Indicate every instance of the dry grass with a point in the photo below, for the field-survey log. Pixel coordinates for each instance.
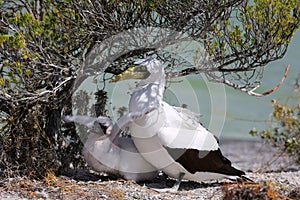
(249, 191)
(62, 187)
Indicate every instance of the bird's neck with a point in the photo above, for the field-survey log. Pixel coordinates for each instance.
(158, 79)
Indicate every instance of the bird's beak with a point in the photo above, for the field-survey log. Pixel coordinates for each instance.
(133, 72)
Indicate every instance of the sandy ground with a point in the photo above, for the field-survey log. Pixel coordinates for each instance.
(257, 156)
(275, 175)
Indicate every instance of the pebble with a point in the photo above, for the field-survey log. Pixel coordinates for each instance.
(253, 157)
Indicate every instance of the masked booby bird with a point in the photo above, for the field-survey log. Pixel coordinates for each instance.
(119, 158)
(165, 138)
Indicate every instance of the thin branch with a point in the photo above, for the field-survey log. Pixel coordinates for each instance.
(252, 93)
(34, 96)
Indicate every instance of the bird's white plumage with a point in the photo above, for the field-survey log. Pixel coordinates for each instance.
(179, 132)
(166, 126)
(157, 129)
(187, 115)
(120, 159)
(123, 160)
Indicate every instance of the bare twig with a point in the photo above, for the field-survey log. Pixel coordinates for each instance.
(252, 93)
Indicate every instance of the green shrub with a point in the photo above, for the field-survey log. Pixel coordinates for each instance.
(284, 132)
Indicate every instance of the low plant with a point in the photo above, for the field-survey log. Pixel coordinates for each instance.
(284, 132)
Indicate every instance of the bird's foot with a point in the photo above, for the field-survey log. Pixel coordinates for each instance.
(175, 187)
(164, 190)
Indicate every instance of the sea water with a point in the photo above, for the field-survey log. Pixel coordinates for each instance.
(246, 112)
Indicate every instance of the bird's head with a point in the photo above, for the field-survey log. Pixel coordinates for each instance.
(142, 69)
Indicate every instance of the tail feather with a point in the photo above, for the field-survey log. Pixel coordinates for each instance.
(204, 161)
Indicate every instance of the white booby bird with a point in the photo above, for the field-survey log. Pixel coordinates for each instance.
(170, 139)
(120, 158)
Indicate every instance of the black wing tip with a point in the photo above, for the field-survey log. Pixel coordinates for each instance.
(246, 179)
(241, 179)
(232, 171)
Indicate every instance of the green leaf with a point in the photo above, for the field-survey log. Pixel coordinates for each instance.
(27, 72)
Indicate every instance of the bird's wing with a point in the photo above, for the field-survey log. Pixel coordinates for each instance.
(188, 116)
(182, 138)
(180, 117)
(90, 122)
(125, 120)
(81, 119)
